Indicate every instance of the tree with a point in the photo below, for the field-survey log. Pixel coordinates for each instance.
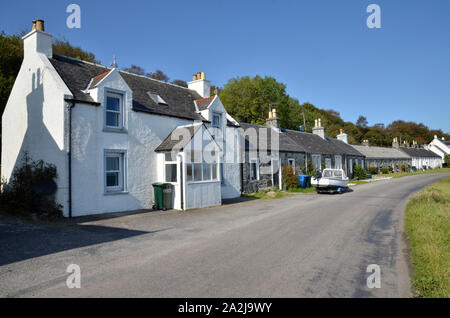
(159, 75)
(447, 160)
(135, 70)
(250, 99)
(362, 122)
(63, 47)
(180, 83)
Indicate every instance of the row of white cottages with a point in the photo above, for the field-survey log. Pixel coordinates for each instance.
(112, 134)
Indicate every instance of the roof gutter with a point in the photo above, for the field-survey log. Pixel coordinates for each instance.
(77, 101)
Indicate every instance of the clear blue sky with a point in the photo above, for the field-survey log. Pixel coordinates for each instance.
(322, 50)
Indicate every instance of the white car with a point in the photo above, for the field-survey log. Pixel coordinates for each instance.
(330, 180)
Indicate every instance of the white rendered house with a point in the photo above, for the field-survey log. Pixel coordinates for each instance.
(108, 132)
(441, 147)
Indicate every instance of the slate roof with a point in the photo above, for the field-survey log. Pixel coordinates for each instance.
(446, 142)
(419, 153)
(313, 144)
(264, 134)
(78, 75)
(348, 149)
(204, 103)
(381, 152)
(168, 144)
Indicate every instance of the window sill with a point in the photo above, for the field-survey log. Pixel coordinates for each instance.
(115, 130)
(109, 193)
(203, 182)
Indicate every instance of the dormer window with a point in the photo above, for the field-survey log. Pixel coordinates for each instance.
(114, 111)
(157, 98)
(216, 120)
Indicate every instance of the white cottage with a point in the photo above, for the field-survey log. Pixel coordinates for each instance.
(108, 132)
(441, 147)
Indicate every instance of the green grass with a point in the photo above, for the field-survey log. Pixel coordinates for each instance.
(303, 190)
(357, 182)
(404, 174)
(263, 195)
(427, 222)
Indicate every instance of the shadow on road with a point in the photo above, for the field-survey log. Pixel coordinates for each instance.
(19, 242)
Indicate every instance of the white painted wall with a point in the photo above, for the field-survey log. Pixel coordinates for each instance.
(228, 139)
(144, 167)
(36, 114)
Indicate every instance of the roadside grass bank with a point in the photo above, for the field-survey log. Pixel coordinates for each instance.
(404, 174)
(427, 222)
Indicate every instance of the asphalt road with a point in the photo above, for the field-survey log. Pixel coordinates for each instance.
(301, 246)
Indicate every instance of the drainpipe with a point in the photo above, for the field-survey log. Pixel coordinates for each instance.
(182, 188)
(71, 104)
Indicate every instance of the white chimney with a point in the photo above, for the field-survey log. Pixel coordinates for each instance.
(37, 41)
(200, 85)
(342, 136)
(318, 129)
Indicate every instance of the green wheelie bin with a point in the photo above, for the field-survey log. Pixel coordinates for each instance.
(158, 196)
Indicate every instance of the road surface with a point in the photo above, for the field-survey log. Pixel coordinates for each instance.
(300, 246)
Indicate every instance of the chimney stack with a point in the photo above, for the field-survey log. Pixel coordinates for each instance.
(365, 142)
(342, 136)
(37, 41)
(273, 120)
(395, 143)
(200, 85)
(318, 129)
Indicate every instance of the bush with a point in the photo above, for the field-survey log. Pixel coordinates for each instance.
(290, 180)
(23, 194)
(359, 173)
(384, 170)
(372, 170)
(447, 160)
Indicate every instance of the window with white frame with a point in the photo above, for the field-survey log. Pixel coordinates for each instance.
(170, 165)
(338, 162)
(316, 161)
(291, 163)
(114, 110)
(328, 163)
(254, 171)
(199, 169)
(114, 171)
(217, 120)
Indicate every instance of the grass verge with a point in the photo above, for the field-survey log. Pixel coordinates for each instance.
(267, 195)
(427, 222)
(404, 174)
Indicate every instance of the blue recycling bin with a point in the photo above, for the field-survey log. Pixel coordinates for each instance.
(304, 180)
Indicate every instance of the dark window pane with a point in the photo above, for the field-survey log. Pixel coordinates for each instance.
(197, 172)
(214, 171)
(112, 179)
(113, 104)
(112, 119)
(112, 163)
(171, 173)
(190, 174)
(206, 172)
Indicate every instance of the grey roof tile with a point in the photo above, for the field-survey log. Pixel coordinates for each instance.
(419, 152)
(78, 75)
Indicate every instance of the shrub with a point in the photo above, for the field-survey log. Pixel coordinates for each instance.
(372, 170)
(290, 180)
(384, 170)
(22, 194)
(359, 173)
(447, 160)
